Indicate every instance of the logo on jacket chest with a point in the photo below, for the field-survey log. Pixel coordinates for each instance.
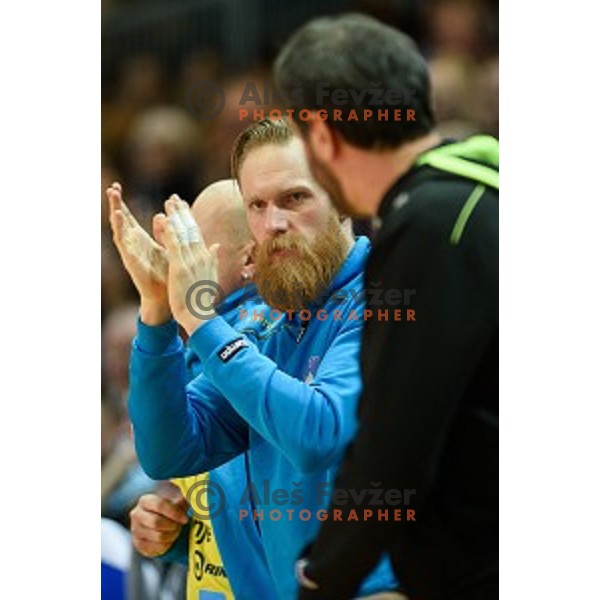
(311, 369)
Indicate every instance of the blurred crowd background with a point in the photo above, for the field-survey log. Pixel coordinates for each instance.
(155, 53)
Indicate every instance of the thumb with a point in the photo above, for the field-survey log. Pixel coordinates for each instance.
(182, 505)
(181, 502)
(158, 227)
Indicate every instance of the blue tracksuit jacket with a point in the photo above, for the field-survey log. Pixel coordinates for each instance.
(290, 402)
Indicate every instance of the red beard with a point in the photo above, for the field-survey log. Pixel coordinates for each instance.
(291, 273)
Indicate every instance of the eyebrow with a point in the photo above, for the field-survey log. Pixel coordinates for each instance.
(283, 194)
(294, 189)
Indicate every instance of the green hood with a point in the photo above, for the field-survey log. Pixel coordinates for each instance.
(457, 158)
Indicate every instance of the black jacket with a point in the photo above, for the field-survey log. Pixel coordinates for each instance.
(429, 410)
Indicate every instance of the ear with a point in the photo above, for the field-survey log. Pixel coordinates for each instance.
(347, 225)
(322, 139)
(249, 268)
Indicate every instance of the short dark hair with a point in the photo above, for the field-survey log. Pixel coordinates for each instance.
(357, 52)
(259, 133)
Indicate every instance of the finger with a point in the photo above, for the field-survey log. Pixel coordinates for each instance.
(188, 229)
(117, 224)
(114, 199)
(181, 502)
(195, 250)
(194, 244)
(172, 210)
(117, 203)
(144, 519)
(150, 549)
(194, 234)
(169, 238)
(160, 540)
(172, 510)
(131, 220)
(158, 226)
(167, 489)
(158, 517)
(115, 191)
(159, 260)
(177, 217)
(152, 533)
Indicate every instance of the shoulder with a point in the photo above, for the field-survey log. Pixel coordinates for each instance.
(442, 209)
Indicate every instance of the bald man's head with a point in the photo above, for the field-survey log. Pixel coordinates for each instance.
(220, 214)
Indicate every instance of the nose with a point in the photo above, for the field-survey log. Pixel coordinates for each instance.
(276, 220)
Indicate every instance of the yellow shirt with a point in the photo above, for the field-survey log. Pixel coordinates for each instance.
(206, 578)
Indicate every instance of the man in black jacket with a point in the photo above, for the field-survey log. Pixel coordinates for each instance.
(429, 411)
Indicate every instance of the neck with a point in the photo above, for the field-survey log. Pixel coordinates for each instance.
(370, 174)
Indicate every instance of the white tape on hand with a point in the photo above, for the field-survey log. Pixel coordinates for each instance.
(193, 233)
(179, 227)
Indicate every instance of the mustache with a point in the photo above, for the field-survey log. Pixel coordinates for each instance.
(282, 242)
(293, 283)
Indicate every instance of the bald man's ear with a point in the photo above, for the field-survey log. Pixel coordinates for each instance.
(249, 268)
(347, 224)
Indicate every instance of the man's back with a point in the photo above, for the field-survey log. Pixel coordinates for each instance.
(436, 240)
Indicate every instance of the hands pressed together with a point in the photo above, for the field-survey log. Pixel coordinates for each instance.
(164, 267)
